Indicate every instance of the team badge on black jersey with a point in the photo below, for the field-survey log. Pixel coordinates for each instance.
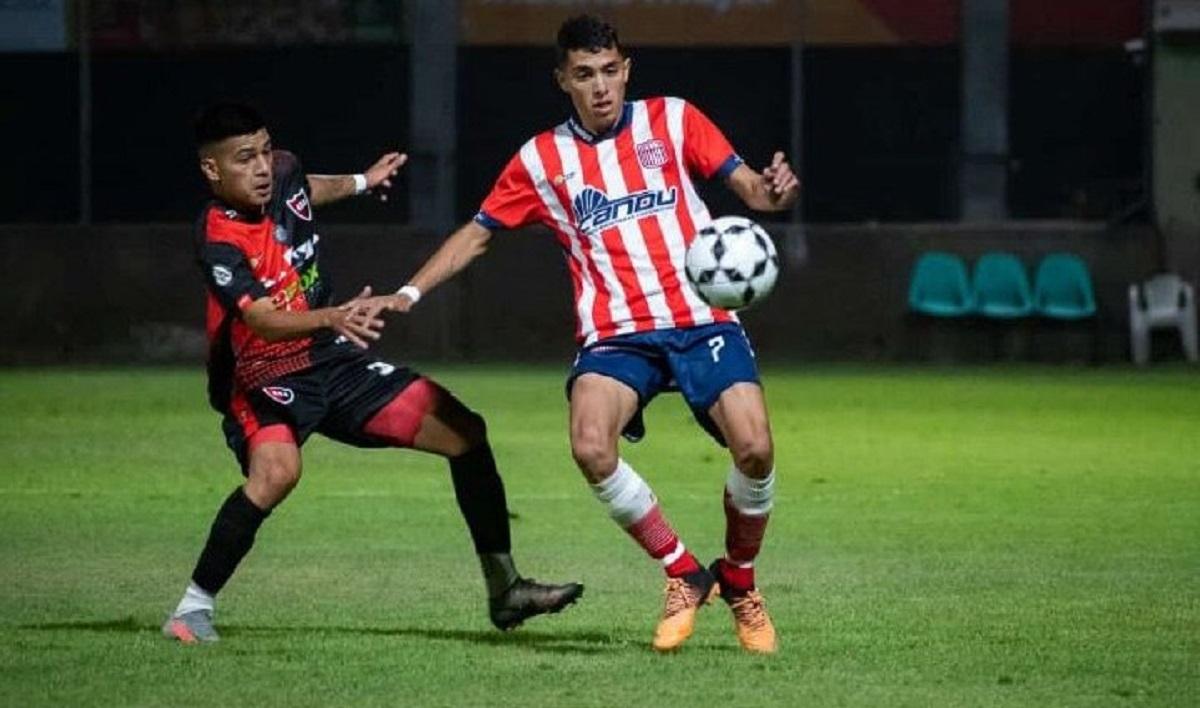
(298, 203)
(280, 394)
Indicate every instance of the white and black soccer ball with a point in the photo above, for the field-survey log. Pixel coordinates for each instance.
(732, 263)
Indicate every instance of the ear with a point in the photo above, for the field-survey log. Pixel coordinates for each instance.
(560, 78)
(208, 166)
(626, 66)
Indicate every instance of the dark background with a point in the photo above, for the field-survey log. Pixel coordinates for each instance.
(880, 124)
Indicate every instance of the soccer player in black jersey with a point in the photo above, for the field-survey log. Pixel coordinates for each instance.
(284, 363)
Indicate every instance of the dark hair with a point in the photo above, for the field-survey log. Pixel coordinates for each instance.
(223, 120)
(585, 32)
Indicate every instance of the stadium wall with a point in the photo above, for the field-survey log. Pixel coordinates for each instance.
(132, 294)
(1177, 152)
(880, 123)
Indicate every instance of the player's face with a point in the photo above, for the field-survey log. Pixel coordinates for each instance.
(595, 81)
(238, 169)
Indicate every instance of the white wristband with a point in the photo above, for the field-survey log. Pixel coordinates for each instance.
(412, 292)
(360, 183)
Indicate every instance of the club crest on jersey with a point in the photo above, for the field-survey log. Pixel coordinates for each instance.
(280, 394)
(222, 275)
(298, 203)
(652, 154)
(594, 210)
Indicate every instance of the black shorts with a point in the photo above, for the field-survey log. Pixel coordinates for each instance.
(335, 397)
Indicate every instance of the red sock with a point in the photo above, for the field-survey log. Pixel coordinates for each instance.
(743, 539)
(736, 577)
(655, 535)
(684, 565)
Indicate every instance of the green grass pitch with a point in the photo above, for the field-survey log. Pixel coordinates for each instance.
(941, 537)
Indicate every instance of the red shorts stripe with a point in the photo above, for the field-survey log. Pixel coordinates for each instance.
(274, 433)
(243, 414)
(398, 422)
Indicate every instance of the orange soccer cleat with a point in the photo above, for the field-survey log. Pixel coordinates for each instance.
(755, 632)
(685, 595)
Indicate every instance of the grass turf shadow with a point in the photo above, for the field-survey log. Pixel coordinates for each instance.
(579, 642)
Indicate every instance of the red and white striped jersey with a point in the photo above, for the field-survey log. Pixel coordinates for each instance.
(624, 209)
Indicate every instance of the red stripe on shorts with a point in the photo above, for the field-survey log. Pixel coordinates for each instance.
(398, 422)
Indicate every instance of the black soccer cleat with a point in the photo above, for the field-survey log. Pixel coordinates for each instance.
(527, 598)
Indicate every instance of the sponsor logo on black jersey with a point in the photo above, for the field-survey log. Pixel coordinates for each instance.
(298, 255)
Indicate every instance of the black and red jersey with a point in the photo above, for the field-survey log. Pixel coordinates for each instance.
(246, 257)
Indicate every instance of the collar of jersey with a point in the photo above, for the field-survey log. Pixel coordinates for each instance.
(237, 214)
(588, 136)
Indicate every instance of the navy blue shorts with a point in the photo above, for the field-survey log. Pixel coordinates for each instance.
(699, 362)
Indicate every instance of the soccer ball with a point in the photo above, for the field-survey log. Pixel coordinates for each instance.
(732, 263)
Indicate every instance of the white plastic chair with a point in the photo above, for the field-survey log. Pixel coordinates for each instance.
(1163, 301)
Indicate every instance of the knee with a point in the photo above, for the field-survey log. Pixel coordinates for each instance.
(474, 429)
(754, 456)
(468, 433)
(272, 480)
(594, 452)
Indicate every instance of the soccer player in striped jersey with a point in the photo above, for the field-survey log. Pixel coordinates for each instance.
(614, 183)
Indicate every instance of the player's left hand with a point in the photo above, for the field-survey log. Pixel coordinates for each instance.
(381, 173)
(355, 301)
(372, 307)
(783, 187)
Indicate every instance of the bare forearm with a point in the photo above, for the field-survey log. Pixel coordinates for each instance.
(756, 194)
(456, 253)
(774, 189)
(763, 202)
(326, 189)
(759, 202)
(278, 325)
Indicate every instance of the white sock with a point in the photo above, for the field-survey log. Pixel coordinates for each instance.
(626, 495)
(194, 598)
(752, 497)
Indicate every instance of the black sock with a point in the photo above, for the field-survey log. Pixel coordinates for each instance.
(480, 495)
(229, 541)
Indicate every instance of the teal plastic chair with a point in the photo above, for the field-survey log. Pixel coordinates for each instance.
(1001, 287)
(1062, 288)
(939, 286)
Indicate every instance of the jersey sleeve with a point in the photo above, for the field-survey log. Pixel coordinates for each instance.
(513, 201)
(289, 172)
(705, 148)
(228, 275)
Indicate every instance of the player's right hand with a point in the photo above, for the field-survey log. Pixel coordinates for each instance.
(372, 307)
(381, 173)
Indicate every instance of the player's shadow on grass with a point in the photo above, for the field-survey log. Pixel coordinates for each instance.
(561, 643)
(125, 624)
(556, 642)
